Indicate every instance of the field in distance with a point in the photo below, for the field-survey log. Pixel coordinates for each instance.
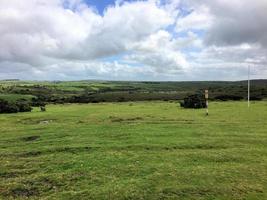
(123, 91)
(145, 150)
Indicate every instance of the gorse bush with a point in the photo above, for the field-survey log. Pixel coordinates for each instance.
(6, 107)
(10, 107)
(37, 102)
(194, 101)
(23, 106)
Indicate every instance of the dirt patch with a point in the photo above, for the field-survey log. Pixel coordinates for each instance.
(73, 150)
(32, 188)
(168, 148)
(201, 146)
(30, 138)
(70, 149)
(188, 192)
(46, 122)
(118, 119)
(208, 193)
(8, 174)
(46, 184)
(23, 192)
(17, 173)
(30, 154)
(34, 121)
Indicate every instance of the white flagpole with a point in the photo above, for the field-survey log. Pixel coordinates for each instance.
(248, 86)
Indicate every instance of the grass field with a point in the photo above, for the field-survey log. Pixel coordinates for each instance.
(146, 150)
(15, 97)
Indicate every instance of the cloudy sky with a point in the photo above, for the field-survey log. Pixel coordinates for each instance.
(133, 40)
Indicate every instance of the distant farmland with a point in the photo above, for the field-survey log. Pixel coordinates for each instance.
(121, 91)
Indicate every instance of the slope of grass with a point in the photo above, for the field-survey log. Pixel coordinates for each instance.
(146, 150)
(15, 97)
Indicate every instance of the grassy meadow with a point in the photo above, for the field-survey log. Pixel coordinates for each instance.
(138, 150)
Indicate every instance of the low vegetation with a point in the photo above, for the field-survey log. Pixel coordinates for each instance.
(18, 106)
(117, 91)
(135, 150)
(194, 101)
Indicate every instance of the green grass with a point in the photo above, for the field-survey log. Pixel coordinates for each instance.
(146, 150)
(15, 97)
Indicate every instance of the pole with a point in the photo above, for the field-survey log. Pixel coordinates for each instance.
(207, 102)
(248, 86)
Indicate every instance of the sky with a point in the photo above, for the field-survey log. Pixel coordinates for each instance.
(149, 40)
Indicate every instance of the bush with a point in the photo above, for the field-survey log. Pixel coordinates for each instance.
(23, 106)
(36, 102)
(194, 101)
(9, 107)
(228, 97)
(256, 98)
(6, 107)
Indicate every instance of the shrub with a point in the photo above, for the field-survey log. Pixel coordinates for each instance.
(6, 107)
(9, 107)
(228, 97)
(194, 101)
(23, 106)
(256, 98)
(36, 102)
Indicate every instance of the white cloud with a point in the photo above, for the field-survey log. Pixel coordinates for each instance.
(43, 34)
(35, 30)
(154, 39)
(233, 36)
(159, 51)
(198, 19)
(235, 22)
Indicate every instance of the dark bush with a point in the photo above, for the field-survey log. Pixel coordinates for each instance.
(37, 102)
(228, 97)
(256, 98)
(121, 99)
(194, 101)
(23, 106)
(9, 107)
(6, 107)
(43, 109)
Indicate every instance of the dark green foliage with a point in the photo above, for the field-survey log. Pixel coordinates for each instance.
(23, 106)
(43, 109)
(228, 97)
(256, 98)
(10, 107)
(194, 101)
(37, 102)
(122, 91)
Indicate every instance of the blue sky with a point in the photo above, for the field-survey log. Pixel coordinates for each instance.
(176, 40)
(100, 4)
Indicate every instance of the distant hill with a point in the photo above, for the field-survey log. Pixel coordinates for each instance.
(105, 91)
(10, 80)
